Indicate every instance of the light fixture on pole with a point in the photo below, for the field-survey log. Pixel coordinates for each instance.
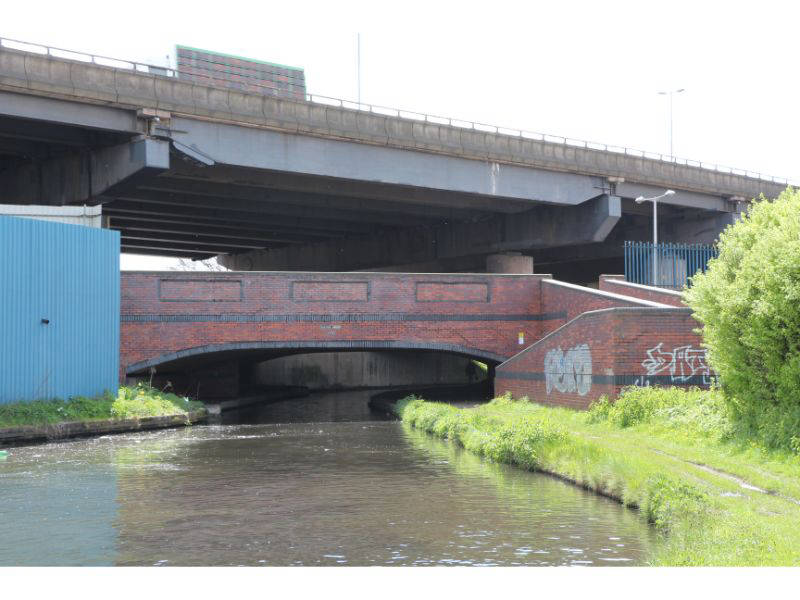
(655, 200)
(670, 94)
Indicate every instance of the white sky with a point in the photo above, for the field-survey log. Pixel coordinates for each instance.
(588, 70)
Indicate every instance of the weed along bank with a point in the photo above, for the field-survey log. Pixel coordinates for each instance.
(669, 453)
(246, 324)
(59, 373)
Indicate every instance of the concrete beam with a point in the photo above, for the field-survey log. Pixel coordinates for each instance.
(700, 229)
(92, 84)
(64, 112)
(680, 198)
(82, 178)
(273, 191)
(538, 228)
(372, 192)
(322, 157)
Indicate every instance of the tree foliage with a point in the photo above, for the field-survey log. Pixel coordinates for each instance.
(749, 304)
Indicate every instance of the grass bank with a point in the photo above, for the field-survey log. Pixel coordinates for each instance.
(129, 403)
(716, 497)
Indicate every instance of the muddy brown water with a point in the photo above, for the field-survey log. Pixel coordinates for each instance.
(315, 481)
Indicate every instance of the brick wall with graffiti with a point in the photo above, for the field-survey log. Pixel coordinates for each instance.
(602, 351)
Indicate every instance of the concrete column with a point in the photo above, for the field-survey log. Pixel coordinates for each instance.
(509, 262)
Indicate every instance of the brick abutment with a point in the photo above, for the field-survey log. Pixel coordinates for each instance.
(554, 342)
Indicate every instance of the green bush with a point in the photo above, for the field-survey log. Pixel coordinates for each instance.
(130, 402)
(668, 502)
(749, 304)
(678, 407)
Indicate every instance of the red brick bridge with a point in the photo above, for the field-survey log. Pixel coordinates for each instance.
(553, 341)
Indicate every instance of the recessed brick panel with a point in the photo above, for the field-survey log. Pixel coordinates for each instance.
(164, 317)
(452, 292)
(365, 310)
(193, 290)
(326, 291)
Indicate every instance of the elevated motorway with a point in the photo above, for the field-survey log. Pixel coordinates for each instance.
(192, 170)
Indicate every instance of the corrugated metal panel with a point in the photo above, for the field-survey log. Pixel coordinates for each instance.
(68, 275)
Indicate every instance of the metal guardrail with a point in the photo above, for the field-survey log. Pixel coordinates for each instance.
(162, 71)
(675, 264)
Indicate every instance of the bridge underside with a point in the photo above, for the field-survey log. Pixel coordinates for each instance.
(264, 199)
(233, 370)
(199, 357)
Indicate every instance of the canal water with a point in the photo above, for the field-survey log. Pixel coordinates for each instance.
(314, 481)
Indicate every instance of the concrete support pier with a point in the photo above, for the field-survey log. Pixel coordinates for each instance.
(514, 263)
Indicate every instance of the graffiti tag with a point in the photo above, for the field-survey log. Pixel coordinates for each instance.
(682, 364)
(569, 371)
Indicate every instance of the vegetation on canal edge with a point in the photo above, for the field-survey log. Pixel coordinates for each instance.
(749, 304)
(718, 498)
(130, 402)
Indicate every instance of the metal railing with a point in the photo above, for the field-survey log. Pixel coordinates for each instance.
(675, 264)
(162, 71)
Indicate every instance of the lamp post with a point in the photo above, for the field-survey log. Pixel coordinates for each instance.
(655, 200)
(670, 94)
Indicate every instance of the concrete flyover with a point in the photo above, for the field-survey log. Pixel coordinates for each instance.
(268, 183)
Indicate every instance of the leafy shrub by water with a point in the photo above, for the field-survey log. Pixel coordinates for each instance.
(693, 407)
(749, 304)
(669, 502)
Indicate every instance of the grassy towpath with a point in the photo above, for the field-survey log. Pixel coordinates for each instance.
(717, 498)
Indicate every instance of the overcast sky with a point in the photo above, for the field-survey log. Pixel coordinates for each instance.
(589, 70)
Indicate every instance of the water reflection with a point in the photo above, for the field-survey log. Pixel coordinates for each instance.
(278, 492)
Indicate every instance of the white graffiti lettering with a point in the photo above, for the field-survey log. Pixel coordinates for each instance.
(682, 364)
(569, 371)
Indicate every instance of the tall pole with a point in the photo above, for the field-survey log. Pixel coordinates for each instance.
(655, 200)
(671, 153)
(655, 242)
(358, 67)
(670, 94)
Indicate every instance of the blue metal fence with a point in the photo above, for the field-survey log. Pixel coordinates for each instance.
(675, 264)
(59, 310)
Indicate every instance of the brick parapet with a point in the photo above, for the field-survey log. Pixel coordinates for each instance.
(600, 352)
(166, 314)
(617, 284)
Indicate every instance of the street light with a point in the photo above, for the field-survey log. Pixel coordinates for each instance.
(655, 200)
(670, 94)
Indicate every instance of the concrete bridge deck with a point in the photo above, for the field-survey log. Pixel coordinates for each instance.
(195, 170)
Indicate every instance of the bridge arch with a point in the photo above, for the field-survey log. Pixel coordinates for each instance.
(283, 348)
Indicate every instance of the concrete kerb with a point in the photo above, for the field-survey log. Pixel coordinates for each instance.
(12, 69)
(105, 79)
(175, 95)
(312, 118)
(58, 431)
(372, 126)
(40, 74)
(133, 89)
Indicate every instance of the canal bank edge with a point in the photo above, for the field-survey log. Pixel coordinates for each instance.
(696, 495)
(59, 431)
